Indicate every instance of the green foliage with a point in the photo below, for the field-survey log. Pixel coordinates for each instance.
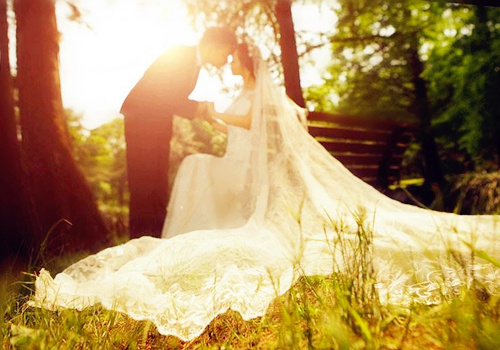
(101, 155)
(369, 69)
(460, 49)
(464, 75)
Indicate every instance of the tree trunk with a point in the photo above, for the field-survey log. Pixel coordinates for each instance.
(63, 202)
(14, 217)
(490, 109)
(289, 56)
(432, 171)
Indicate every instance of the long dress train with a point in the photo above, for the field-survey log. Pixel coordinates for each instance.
(293, 210)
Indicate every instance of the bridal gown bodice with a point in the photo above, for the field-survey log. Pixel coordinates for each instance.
(209, 191)
(238, 138)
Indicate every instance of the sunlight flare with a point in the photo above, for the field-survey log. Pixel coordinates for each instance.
(111, 54)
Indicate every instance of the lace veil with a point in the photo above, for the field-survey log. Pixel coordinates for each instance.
(306, 212)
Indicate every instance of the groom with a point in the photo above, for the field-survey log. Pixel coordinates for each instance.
(149, 108)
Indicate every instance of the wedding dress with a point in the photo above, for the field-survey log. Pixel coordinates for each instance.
(209, 191)
(242, 228)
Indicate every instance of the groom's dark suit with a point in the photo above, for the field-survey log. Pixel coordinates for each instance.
(148, 109)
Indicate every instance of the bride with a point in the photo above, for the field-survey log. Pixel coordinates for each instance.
(242, 228)
(209, 191)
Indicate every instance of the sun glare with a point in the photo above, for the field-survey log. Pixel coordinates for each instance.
(100, 64)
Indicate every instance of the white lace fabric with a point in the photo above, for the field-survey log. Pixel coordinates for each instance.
(242, 228)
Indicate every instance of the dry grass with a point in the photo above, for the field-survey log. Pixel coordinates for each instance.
(477, 193)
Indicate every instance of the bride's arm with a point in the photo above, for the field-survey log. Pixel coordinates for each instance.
(218, 125)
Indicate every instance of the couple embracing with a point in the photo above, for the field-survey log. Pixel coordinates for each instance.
(149, 108)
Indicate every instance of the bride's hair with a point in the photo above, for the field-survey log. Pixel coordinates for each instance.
(245, 57)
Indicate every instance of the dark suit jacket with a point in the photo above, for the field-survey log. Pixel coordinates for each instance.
(165, 86)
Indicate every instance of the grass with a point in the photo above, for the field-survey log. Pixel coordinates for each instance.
(341, 311)
(310, 316)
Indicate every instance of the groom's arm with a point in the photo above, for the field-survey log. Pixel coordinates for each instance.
(174, 77)
(166, 85)
(188, 109)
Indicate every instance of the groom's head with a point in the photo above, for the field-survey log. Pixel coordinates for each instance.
(216, 45)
